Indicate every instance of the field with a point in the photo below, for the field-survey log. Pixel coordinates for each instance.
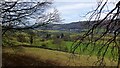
(49, 47)
(42, 57)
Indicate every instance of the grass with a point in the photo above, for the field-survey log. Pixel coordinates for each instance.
(87, 50)
(68, 44)
(54, 57)
(61, 43)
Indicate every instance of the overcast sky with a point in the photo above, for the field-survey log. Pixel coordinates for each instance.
(74, 10)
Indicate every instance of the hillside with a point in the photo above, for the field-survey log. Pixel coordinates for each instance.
(42, 57)
(74, 26)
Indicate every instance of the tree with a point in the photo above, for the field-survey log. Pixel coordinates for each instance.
(109, 26)
(20, 15)
(31, 36)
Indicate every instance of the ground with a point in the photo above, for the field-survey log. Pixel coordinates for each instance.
(26, 56)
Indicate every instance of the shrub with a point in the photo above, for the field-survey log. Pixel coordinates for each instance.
(22, 37)
(67, 38)
(43, 45)
(60, 44)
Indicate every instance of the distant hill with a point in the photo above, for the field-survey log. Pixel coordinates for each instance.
(74, 26)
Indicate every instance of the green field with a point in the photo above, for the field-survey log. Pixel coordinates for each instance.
(57, 41)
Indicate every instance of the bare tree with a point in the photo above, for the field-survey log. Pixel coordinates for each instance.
(103, 35)
(20, 15)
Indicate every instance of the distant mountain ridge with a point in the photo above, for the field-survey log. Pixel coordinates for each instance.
(74, 26)
(78, 26)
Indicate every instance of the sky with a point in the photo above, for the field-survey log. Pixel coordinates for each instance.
(75, 10)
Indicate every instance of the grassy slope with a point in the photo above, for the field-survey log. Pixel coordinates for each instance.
(48, 56)
(12, 40)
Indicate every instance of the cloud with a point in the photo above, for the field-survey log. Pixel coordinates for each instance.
(75, 0)
(87, 1)
(73, 6)
(70, 10)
